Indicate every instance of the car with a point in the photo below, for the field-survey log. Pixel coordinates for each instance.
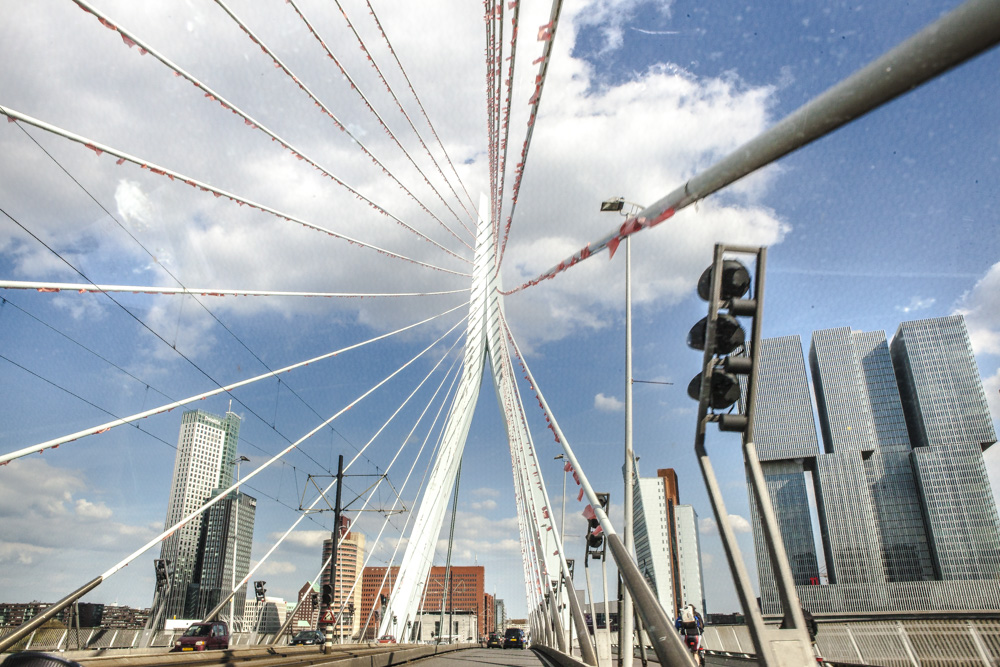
(307, 637)
(514, 638)
(494, 641)
(386, 639)
(203, 637)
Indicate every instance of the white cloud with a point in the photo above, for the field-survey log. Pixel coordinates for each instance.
(92, 511)
(981, 308)
(276, 567)
(304, 538)
(488, 504)
(708, 526)
(608, 403)
(916, 303)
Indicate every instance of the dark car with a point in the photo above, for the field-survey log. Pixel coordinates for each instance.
(514, 638)
(494, 641)
(203, 637)
(307, 637)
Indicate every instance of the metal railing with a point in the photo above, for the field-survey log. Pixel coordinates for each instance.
(62, 639)
(903, 643)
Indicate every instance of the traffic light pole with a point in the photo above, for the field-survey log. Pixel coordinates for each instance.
(326, 609)
(777, 647)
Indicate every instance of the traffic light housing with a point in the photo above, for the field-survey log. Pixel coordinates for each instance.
(160, 567)
(595, 534)
(327, 595)
(259, 590)
(728, 371)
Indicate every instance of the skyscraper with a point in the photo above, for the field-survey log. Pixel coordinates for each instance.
(347, 587)
(785, 435)
(224, 553)
(903, 506)
(949, 425)
(667, 548)
(206, 449)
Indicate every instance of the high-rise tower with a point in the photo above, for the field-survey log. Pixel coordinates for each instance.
(206, 449)
(903, 506)
(950, 427)
(667, 549)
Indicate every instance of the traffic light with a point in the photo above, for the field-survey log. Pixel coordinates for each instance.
(259, 590)
(728, 354)
(595, 534)
(160, 567)
(327, 595)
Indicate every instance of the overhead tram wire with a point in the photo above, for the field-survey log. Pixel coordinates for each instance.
(326, 110)
(423, 111)
(166, 270)
(547, 34)
(130, 39)
(29, 626)
(368, 104)
(123, 157)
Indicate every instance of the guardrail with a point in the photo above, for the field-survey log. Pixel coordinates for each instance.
(63, 639)
(903, 643)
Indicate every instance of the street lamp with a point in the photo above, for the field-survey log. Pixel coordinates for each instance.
(236, 538)
(625, 613)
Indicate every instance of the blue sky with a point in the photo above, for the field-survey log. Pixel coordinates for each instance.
(891, 218)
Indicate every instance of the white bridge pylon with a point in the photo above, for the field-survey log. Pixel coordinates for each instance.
(484, 342)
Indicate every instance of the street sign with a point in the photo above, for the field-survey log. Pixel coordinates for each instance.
(326, 617)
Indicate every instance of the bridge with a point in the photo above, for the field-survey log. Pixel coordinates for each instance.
(467, 328)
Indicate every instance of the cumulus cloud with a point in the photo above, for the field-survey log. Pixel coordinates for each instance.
(708, 526)
(981, 308)
(608, 403)
(488, 504)
(43, 506)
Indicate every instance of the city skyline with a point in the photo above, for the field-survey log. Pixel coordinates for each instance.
(890, 218)
(899, 530)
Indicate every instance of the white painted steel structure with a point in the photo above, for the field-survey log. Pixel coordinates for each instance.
(485, 343)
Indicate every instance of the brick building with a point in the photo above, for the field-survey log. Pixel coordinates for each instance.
(466, 593)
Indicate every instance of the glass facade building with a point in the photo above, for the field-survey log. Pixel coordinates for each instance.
(950, 426)
(904, 510)
(206, 447)
(224, 555)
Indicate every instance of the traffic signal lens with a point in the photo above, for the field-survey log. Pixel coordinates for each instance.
(735, 281)
(729, 335)
(724, 392)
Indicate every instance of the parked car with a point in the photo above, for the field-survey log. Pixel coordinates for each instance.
(514, 638)
(307, 637)
(386, 639)
(203, 637)
(494, 641)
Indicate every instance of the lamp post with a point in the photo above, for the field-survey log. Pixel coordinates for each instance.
(236, 539)
(625, 625)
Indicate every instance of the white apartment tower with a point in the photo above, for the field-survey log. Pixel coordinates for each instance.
(666, 542)
(206, 451)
